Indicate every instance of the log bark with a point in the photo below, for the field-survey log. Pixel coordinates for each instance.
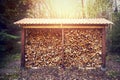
(81, 47)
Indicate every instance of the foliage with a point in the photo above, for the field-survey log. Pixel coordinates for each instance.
(11, 10)
(53, 9)
(115, 37)
(98, 8)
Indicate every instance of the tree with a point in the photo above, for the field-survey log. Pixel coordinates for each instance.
(11, 10)
(115, 34)
(69, 8)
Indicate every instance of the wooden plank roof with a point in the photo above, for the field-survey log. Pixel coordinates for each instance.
(37, 21)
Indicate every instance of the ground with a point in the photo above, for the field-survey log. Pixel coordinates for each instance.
(12, 71)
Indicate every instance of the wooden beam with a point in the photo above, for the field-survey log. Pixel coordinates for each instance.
(63, 42)
(104, 48)
(23, 47)
(90, 27)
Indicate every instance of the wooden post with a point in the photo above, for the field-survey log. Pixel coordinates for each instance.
(23, 48)
(103, 68)
(63, 65)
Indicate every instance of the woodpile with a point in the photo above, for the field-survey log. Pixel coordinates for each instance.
(43, 47)
(81, 47)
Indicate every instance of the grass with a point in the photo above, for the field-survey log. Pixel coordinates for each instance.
(9, 76)
(113, 74)
(9, 58)
(117, 59)
(5, 62)
(114, 57)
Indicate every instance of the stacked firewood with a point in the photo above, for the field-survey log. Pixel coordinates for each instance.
(43, 47)
(81, 47)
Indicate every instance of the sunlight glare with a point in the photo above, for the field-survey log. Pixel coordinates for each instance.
(64, 8)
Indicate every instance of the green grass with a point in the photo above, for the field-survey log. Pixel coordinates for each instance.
(9, 58)
(5, 61)
(113, 74)
(9, 76)
(114, 57)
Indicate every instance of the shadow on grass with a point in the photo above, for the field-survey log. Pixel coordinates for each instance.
(5, 59)
(9, 70)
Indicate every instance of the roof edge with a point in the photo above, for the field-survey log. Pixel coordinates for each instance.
(38, 21)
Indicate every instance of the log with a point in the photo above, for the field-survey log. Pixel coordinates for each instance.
(82, 47)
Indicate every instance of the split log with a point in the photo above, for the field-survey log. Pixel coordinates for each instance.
(43, 47)
(82, 47)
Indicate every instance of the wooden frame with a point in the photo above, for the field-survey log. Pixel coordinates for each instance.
(63, 26)
(99, 23)
(99, 27)
(104, 47)
(23, 47)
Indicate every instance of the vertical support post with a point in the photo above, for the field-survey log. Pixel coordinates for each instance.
(63, 66)
(103, 68)
(23, 48)
(63, 38)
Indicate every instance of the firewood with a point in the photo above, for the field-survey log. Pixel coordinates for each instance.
(81, 47)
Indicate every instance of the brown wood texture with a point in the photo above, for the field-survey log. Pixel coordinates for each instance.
(70, 47)
(23, 33)
(64, 26)
(43, 47)
(104, 47)
(83, 47)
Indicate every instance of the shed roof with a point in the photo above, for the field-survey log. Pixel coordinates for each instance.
(34, 21)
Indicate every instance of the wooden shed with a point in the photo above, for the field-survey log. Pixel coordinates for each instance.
(63, 42)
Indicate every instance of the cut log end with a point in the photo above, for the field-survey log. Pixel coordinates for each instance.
(81, 48)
